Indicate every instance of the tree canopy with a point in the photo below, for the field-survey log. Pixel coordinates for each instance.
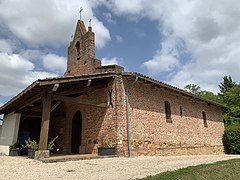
(192, 88)
(195, 89)
(226, 85)
(229, 95)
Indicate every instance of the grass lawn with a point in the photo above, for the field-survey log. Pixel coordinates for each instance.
(229, 169)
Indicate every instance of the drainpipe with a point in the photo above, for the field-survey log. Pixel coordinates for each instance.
(128, 120)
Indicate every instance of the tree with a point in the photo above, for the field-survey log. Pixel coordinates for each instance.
(192, 88)
(195, 89)
(226, 85)
(229, 96)
(231, 99)
(210, 96)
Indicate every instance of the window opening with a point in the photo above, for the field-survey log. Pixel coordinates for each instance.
(181, 113)
(78, 50)
(204, 119)
(168, 111)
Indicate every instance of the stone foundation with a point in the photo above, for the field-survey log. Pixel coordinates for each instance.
(175, 151)
(42, 154)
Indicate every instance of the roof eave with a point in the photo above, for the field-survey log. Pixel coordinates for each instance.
(167, 86)
(28, 88)
(50, 81)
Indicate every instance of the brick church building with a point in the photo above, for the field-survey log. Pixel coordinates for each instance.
(92, 103)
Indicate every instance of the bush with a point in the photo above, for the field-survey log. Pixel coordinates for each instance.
(107, 143)
(14, 146)
(232, 139)
(31, 144)
(51, 144)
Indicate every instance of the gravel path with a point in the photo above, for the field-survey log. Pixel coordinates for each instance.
(108, 168)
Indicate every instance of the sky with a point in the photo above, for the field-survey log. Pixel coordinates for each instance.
(176, 42)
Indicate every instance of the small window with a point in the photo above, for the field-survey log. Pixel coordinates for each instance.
(168, 111)
(204, 119)
(78, 50)
(181, 111)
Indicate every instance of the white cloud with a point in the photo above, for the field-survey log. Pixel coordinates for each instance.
(48, 23)
(119, 38)
(109, 18)
(124, 6)
(166, 59)
(5, 46)
(54, 62)
(211, 34)
(209, 30)
(17, 73)
(32, 54)
(107, 61)
(28, 32)
(161, 63)
(101, 33)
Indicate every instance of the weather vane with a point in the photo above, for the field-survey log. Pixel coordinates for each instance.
(80, 12)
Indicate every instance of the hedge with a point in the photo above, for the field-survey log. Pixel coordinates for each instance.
(232, 139)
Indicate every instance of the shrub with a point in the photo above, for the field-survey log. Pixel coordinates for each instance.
(31, 144)
(51, 144)
(232, 139)
(14, 146)
(107, 143)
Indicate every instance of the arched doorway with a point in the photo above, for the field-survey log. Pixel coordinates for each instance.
(76, 132)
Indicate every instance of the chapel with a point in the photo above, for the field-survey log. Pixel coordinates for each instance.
(93, 106)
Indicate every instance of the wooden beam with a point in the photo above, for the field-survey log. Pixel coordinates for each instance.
(75, 100)
(45, 122)
(31, 100)
(38, 96)
(83, 89)
(54, 88)
(74, 79)
(55, 105)
(32, 115)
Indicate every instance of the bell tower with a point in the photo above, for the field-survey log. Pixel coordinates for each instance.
(81, 52)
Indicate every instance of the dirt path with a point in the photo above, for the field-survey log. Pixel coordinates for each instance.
(108, 168)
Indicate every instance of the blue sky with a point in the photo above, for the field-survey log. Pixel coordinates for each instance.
(177, 42)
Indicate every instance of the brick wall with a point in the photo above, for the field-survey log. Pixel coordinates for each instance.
(58, 126)
(97, 122)
(86, 62)
(152, 135)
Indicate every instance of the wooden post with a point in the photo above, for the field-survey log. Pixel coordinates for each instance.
(45, 122)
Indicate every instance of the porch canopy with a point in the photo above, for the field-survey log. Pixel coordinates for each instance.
(43, 96)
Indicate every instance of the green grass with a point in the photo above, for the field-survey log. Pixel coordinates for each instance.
(229, 169)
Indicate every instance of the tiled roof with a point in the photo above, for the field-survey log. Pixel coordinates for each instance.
(41, 84)
(170, 87)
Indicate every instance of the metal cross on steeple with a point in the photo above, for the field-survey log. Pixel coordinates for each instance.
(90, 22)
(80, 13)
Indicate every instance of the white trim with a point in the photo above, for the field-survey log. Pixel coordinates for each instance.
(4, 149)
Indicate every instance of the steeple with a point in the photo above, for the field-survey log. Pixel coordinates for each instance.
(81, 52)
